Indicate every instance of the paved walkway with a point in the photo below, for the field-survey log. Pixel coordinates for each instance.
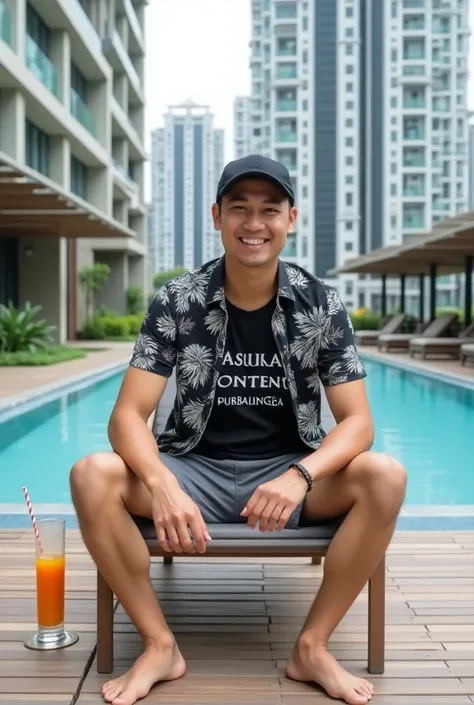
(18, 380)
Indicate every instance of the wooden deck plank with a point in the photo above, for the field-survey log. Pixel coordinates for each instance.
(248, 613)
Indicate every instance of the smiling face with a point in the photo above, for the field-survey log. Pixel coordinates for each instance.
(254, 218)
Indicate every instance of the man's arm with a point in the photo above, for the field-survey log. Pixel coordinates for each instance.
(352, 435)
(129, 433)
(342, 374)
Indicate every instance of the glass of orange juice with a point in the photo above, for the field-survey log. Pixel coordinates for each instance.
(50, 584)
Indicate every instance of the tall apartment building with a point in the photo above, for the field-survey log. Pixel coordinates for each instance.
(366, 103)
(71, 152)
(242, 127)
(187, 159)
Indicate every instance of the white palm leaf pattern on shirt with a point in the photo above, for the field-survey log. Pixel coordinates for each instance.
(168, 353)
(145, 352)
(193, 414)
(308, 419)
(279, 322)
(189, 288)
(162, 296)
(296, 277)
(313, 382)
(351, 361)
(196, 364)
(215, 321)
(185, 325)
(181, 388)
(317, 331)
(334, 375)
(166, 325)
(334, 302)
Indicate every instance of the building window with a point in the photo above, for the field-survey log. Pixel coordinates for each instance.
(78, 82)
(37, 148)
(349, 199)
(78, 178)
(38, 30)
(348, 246)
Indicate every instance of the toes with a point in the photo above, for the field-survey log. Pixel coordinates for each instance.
(111, 690)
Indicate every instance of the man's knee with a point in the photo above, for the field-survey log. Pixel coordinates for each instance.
(381, 476)
(96, 475)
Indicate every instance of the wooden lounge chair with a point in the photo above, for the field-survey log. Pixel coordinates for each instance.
(236, 541)
(440, 346)
(467, 353)
(370, 337)
(401, 341)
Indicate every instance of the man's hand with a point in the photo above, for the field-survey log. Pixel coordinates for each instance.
(178, 519)
(273, 502)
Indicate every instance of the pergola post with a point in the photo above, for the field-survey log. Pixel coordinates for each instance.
(433, 272)
(421, 312)
(384, 295)
(469, 262)
(403, 279)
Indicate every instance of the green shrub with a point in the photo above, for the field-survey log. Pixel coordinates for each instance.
(134, 323)
(363, 319)
(93, 328)
(21, 331)
(116, 326)
(134, 300)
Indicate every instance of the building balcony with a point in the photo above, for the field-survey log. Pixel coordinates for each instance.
(286, 72)
(42, 67)
(6, 24)
(289, 250)
(410, 104)
(413, 135)
(82, 113)
(285, 136)
(414, 162)
(413, 191)
(286, 12)
(283, 106)
(413, 4)
(412, 223)
(120, 61)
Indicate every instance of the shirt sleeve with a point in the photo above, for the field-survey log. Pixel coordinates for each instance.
(338, 359)
(155, 347)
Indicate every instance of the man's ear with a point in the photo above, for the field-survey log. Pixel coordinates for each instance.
(293, 216)
(216, 216)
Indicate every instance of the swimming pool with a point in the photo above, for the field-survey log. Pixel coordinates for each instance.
(425, 423)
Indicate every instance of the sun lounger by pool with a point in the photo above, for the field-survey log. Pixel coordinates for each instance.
(239, 541)
(401, 341)
(467, 353)
(370, 337)
(440, 346)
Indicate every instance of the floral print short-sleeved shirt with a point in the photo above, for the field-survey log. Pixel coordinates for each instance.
(185, 329)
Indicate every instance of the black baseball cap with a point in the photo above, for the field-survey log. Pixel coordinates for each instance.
(257, 167)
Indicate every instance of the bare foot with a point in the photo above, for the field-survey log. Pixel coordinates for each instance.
(315, 663)
(155, 664)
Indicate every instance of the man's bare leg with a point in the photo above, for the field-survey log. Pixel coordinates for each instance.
(371, 489)
(104, 491)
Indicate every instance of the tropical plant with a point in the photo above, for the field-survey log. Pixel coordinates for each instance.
(162, 277)
(134, 300)
(92, 279)
(21, 331)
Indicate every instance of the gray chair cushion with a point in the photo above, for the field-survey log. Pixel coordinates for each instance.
(240, 536)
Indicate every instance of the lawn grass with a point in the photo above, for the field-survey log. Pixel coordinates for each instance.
(48, 356)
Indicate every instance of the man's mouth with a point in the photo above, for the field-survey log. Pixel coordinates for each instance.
(253, 241)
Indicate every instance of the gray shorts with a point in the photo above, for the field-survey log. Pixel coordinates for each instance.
(222, 488)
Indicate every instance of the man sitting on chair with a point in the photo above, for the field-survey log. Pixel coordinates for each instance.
(251, 339)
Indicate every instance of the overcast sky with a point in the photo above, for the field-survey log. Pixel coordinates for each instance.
(199, 50)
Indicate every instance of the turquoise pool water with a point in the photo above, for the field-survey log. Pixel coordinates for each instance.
(427, 424)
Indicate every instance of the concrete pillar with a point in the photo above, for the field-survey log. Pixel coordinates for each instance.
(12, 124)
(99, 188)
(120, 90)
(60, 161)
(98, 102)
(18, 10)
(61, 58)
(121, 25)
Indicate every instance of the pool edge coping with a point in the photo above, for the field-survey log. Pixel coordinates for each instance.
(407, 364)
(26, 401)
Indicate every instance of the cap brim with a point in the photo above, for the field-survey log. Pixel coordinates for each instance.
(255, 174)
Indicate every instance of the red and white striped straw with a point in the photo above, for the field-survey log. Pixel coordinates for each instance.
(32, 517)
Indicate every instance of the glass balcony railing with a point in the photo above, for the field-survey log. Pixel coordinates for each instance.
(124, 174)
(289, 250)
(284, 71)
(283, 106)
(413, 222)
(6, 24)
(413, 4)
(415, 191)
(41, 66)
(286, 12)
(82, 113)
(413, 103)
(286, 136)
(414, 135)
(286, 51)
(413, 161)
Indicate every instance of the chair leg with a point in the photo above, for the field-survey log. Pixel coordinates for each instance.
(167, 560)
(316, 560)
(105, 626)
(376, 654)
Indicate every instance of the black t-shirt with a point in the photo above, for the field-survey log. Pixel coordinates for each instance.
(252, 416)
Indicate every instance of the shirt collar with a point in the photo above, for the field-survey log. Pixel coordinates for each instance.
(216, 283)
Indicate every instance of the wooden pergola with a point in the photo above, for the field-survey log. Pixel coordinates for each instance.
(447, 249)
(31, 204)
